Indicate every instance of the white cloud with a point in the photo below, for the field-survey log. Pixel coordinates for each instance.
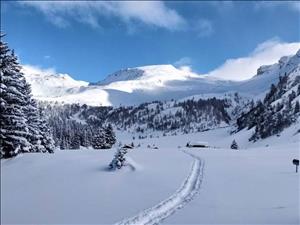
(293, 5)
(204, 28)
(30, 69)
(221, 6)
(184, 61)
(185, 64)
(266, 53)
(154, 13)
(189, 70)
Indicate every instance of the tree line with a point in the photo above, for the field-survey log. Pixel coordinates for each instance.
(74, 126)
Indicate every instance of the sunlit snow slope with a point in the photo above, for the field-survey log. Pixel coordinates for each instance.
(157, 82)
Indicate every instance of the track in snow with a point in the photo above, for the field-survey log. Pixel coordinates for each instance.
(183, 195)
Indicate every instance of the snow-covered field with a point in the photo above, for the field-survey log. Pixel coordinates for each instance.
(172, 184)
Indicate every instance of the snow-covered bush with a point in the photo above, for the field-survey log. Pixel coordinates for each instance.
(118, 160)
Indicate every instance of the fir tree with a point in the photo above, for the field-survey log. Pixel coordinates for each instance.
(110, 137)
(14, 129)
(99, 140)
(234, 145)
(23, 129)
(119, 159)
(33, 118)
(45, 132)
(75, 144)
(297, 107)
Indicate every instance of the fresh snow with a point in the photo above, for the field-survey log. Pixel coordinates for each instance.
(49, 84)
(182, 196)
(159, 73)
(256, 184)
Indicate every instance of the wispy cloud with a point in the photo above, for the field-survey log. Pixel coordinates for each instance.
(152, 13)
(30, 69)
(46, 57)
(221, 6)
(185, 64)
(293, 5)
(266, 53)
(204, 28)
(184, 61)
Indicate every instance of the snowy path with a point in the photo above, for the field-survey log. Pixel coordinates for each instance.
(183, 195)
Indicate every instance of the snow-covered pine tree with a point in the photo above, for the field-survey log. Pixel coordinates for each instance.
(63, 143)
(99, 139)
(110, 137)
(33, 120)
(75, 144)
(86, 139)
(297, 107)
(234, 145)
(14, 129)
(23, 129)
(119, 159)
(47, 140)
(35, 137)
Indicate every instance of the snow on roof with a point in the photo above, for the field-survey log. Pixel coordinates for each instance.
(198, 143)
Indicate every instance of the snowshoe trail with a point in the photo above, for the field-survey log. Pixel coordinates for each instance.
(182, 196)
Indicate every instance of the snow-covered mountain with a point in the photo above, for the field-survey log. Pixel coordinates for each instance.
(278, 109)
(157, 82)
(158, 74)
(46, 84)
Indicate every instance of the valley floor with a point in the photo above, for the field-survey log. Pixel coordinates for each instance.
(254, 185)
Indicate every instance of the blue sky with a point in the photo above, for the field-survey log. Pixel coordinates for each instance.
(90, 40)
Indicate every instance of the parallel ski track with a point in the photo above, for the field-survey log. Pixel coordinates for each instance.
(182, 196)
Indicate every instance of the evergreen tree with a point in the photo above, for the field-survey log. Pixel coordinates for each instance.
(75, 144)
(86, 139)
(14, 129)
(36, 124)
(110, 137)
(234, 145)
(119, 159)
(45, 132)
(33, 118)
(99, 140)
(297, 108)
(23, 129)
(63, 143)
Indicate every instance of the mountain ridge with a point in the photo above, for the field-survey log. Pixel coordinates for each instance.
(155, 82)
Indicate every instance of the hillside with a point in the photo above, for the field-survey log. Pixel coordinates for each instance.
(278, 110)
(173, 117)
